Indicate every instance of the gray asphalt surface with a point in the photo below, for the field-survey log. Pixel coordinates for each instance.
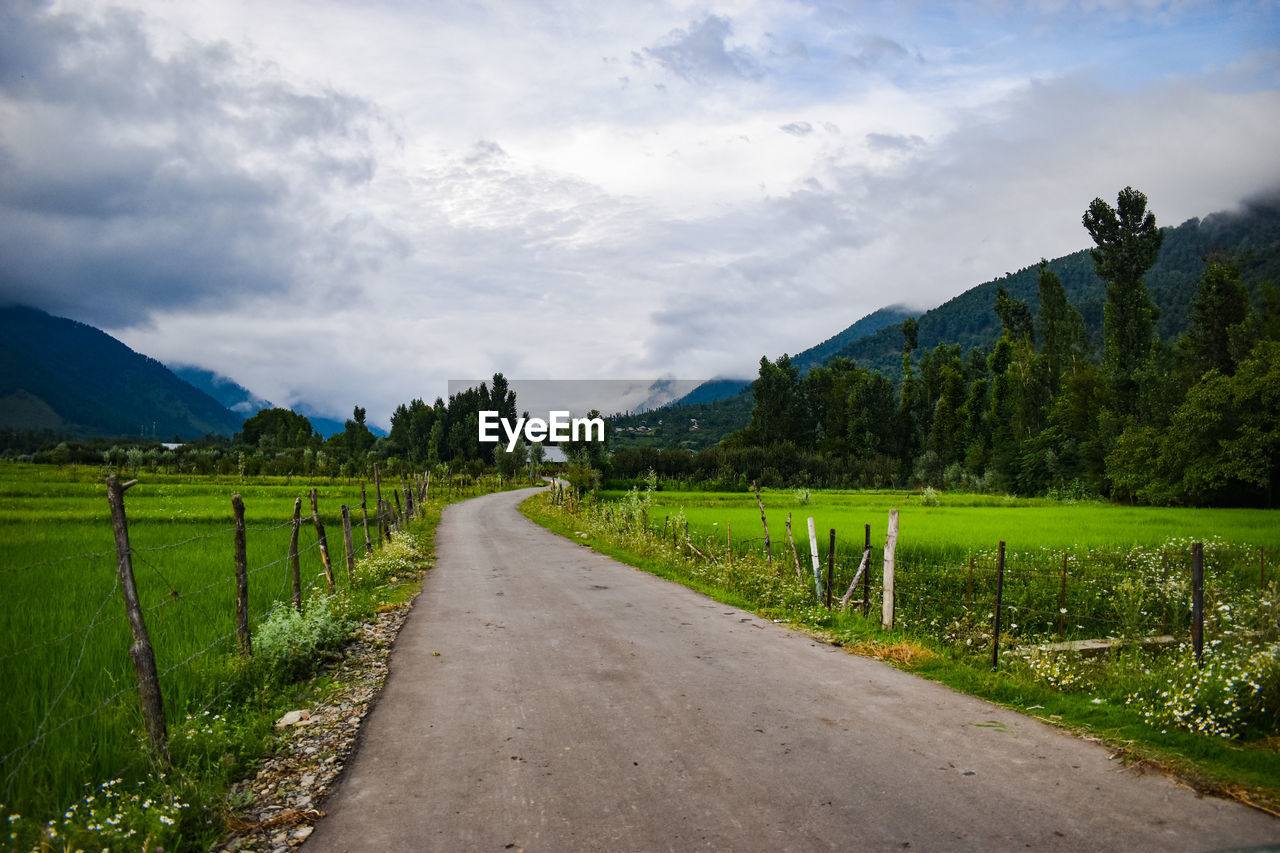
(543, 697)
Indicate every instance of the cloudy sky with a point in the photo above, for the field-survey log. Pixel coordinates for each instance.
(345, 202)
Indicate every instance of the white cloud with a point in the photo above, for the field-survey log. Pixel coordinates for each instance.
(341, 205)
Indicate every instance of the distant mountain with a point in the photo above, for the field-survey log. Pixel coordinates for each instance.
(1249, 238)
(226, 391)
(723, 389)
(241, 400)
(884, 318)
(66, 376)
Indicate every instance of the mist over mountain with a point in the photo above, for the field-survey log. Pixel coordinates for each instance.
(60, 375)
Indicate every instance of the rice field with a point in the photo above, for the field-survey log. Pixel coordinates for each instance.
(70, 703)
(966, 522)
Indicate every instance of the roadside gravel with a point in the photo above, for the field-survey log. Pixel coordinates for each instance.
(281, 801)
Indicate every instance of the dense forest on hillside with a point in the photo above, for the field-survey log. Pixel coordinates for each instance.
(69, 378)
(1056, 404)
(1249, 237)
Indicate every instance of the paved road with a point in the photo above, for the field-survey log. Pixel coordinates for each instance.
(547, 698)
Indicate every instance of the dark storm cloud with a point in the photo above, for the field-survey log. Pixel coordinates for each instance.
(699, 53)
(132, 181)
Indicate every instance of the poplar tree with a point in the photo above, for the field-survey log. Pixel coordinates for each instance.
(1128, 243)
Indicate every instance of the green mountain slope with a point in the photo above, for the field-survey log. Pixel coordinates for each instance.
(723, 389)
(1250, 238)
(66, 376)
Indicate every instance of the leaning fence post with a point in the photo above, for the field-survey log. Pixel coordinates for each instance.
(324, 544)
(995, 640)
(293, 555)
(346, 541)
(1197, 601)
(144, 658)
(243, 639)
(890, 551)
(817, 565)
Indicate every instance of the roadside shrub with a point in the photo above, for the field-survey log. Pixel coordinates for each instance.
(396, 559)
(288, 644)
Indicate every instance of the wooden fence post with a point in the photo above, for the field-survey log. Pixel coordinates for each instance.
(364, 512)
(1197, 601)
(817, 564)
(995, 640)
(293, 555)
(890, 550)
(768, 551)
(144, 658)
(346, 541)
(324, 544)
(377, 494)
(866, 577)
(794, 555)
(408, 499)
(243, 638)
(860, 574)
(968, 596)
(728, 542)
(1062, 601)
(831, 564)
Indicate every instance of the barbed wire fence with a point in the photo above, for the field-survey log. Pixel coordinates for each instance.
(982, 600)
(191, 622)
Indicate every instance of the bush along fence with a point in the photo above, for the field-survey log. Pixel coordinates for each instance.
(76, 711)
(1193, 628)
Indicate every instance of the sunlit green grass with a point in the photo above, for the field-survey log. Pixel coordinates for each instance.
(964, 521)
(69, 702)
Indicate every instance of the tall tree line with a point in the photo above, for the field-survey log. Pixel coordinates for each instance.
(1190, 421)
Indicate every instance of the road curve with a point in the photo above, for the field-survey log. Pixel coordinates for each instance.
(543, 697)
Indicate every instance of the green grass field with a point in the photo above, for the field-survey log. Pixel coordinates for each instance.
(70, 703)
(939, 592)
(966, 522)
